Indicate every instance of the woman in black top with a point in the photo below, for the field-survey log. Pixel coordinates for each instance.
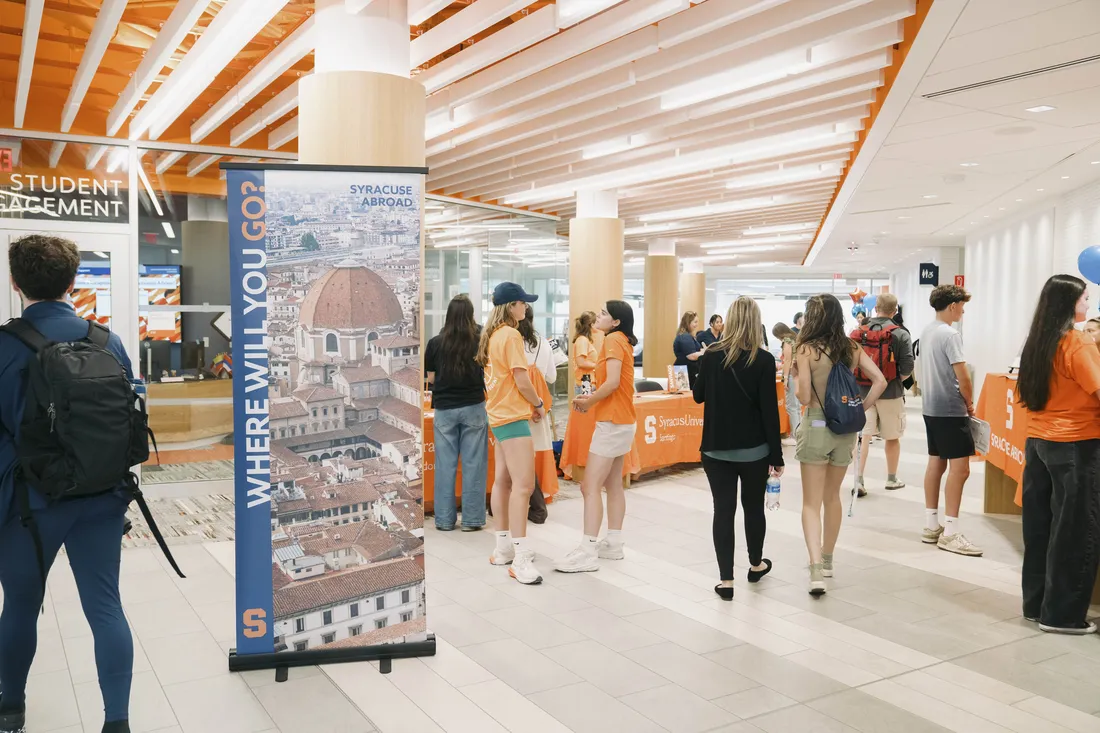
(461, 425)
(686, 347)
(741, 441)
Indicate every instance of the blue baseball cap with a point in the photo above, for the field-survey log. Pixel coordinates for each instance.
(506, 293)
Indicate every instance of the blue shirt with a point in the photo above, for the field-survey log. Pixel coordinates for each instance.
(57, 321)
(685, 344)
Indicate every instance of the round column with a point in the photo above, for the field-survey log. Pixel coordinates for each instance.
(360, 107)
(595, 257)
(693, 291)
(662, 308)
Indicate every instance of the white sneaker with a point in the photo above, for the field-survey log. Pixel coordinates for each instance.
(503, 557)
(609, 551)
(523, 569)
(958, 544)
(577, 561)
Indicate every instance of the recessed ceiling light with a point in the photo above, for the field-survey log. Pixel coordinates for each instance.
(1096, 162)
(986, 216)
(1000, 208)
(1065, 178)
(1040, 190)
(928, 196)
(905, 217)
(973, 222)
(968, 165)
(1040, 108)
(1019, 200)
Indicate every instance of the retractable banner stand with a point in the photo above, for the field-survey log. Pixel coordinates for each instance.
(326, 267)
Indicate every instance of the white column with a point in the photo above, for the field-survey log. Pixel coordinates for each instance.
(598, 204)
(374, 39)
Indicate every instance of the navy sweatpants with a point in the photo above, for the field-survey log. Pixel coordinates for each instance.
(91, 531)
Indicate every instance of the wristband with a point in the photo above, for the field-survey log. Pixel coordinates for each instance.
(539, 405)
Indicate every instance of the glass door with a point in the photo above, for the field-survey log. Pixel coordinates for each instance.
(102, 290)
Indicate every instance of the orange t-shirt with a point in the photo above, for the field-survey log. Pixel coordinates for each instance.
(598, 337)
(1072, 412)
(618, 407)
(503, 402)
(587, 349)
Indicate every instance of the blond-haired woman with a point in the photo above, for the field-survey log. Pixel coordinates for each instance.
(511, 400)
(585, 353)
(741, 442)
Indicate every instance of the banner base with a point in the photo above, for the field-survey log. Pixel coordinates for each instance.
(312, 657)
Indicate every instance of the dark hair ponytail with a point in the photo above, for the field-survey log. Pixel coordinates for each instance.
(1054, 317)
(624, 314)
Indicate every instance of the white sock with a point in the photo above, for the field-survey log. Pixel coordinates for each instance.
(950, 526)
(614, 537)
(504, 540)
(589, 543)
(932, 519)
(520, 544)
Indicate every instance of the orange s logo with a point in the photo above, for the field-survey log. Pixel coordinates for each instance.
(254, 625)
(844, 399)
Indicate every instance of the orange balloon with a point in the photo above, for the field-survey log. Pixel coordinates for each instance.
(857, 295)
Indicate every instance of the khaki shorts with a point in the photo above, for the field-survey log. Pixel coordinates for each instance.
(817, 445)
(886, 419)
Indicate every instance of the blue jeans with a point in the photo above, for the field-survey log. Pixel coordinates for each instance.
(462, 432)
(91, 530)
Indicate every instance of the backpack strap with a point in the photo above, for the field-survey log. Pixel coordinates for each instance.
(98, 335)
(22, 329)
(26, 518)
(139, 498)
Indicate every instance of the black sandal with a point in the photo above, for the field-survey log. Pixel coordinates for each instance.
(724, 592)
(756, 575)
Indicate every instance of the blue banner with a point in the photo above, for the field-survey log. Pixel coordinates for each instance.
(251, 435)
(325, 272)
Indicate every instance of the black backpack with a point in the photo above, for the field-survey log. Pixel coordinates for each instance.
(83, 426)
(843, 403)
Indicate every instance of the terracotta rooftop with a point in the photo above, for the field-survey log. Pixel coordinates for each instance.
(286, 408)
(410, 515)
(360, 374)
(332, 589)
(333, 496)
(396, 341)
(409, 377)
(316, 394)
(401, 410)
(397, 632)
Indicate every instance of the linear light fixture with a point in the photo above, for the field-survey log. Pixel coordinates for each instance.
(32, 22)
(785, 175)
(293, 49)
(168, 39)
(725, 207)
(1040, 108)
(735, 80)
(652, 229)
(235, 25)
(168, 230)
(781, 239)
(481, 227)
(149, 190)
(743, 250)
(779, 228)
(278, 106)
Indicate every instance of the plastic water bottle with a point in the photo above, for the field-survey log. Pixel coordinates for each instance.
(771, 495)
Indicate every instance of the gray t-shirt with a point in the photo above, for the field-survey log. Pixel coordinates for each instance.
(941, 348)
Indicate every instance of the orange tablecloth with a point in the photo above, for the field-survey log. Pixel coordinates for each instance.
(1008, 425)
(545, 469)
(670, 429)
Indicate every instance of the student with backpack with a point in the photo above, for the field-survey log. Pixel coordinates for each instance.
(826, 360)
(70, 430)
(891, 348)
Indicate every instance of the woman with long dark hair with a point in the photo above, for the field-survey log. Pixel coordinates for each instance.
(686, 348)
(825, 456)
(511, 402)
(461, 425)
(741, 443)
(585, 353)
(1059, 384)
(612, 439)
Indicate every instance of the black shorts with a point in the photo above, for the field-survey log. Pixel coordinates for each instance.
(949, 437)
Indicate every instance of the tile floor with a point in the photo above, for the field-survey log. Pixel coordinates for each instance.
(908, 640)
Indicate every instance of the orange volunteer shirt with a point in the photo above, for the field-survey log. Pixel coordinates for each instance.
(1072, 412)
(583, 346)
(503, 402)
(618, 407)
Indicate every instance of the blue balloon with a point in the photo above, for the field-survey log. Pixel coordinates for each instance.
(869, 302)
(858, 310)
(1089, 264)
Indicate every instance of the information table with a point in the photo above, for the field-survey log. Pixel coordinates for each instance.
(669, 431)
(1004, 470)
(545, 470)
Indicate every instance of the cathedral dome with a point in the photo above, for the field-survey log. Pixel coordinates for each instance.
(350, 297)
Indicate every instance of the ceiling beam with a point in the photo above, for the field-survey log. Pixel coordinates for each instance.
(32, 21)
(183, 18)
(421, 10)
(290, 51)
(466, 23)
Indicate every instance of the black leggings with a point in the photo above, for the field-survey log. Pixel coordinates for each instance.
(723, 477)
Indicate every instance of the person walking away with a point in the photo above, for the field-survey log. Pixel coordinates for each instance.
(43, 269)
(710, 336)
(788, 337)
(613, 406)
(461, 423)
(511, 401)
(1059, 384)
(543, 373)
(824, 455)
(799, 322)
(686, 347)
(948, 405)
(585, 354)
(741, 442)
(891, 348)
